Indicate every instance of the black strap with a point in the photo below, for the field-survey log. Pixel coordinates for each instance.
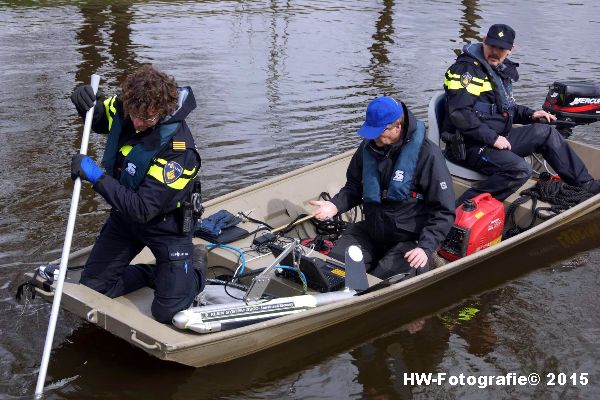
(331, 229)
(256, 221)
(33, 283)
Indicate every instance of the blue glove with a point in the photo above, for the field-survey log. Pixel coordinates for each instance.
(84, 167)
(214, 224)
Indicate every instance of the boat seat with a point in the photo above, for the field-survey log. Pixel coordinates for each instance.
(435, 115)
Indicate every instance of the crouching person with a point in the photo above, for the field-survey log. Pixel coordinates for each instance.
(148, 170)
(406, 188)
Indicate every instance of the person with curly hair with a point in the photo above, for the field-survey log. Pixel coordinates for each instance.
(149, 167)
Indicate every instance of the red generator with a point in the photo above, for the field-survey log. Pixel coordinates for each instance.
(479, 223)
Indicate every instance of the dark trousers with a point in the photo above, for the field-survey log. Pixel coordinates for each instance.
(381, 259)
(507, 170)
(173, 278)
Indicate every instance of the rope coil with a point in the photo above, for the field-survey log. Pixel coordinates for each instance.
(560, 195)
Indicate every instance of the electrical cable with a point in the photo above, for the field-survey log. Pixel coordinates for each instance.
(214, 281)
(300, 274)
(257, 221)
(241, 253)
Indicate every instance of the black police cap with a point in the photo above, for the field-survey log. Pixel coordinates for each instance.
(500, 35)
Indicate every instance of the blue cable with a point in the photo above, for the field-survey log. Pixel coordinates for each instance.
(226, 246)
(302, 277)
(243, 262)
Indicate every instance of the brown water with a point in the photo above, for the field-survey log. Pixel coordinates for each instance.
(279, 84)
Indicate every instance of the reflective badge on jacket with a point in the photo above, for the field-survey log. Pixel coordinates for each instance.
(465, 79)
(131, 169)
(172, 171)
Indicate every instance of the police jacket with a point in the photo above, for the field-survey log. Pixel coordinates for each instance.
(149, 173)
(480, 102)
(427, 214)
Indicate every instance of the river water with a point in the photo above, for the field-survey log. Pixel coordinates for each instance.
(279, 85)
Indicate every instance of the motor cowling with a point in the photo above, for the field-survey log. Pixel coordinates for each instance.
(577, 102)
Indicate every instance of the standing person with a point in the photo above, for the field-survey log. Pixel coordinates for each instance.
(481, 107)
(150, 163)
(402, 180)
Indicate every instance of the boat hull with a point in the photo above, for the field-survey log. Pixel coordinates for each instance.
(281, 199)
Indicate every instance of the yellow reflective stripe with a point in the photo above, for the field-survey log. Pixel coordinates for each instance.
(179, 183)
(479, 80)
(190, 172)
(452, 81)
(156, 171)
(126, 149)
(109, 108)
(472, 88)
(487, 86)
(477, 89)
(453, 85)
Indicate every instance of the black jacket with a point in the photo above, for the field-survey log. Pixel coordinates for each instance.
(428, 219)
(155, 196)
(468, 82)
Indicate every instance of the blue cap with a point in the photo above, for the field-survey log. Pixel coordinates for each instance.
(381, 112)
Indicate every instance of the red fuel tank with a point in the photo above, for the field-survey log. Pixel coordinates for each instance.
(479, 223)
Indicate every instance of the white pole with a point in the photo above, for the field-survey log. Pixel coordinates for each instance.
(39, 389)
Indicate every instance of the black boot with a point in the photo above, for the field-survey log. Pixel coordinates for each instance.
(592, 186)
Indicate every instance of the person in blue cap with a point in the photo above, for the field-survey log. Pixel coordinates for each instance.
(403, 183)
(481, 108)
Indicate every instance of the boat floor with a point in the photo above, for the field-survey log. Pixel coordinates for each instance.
(139, 301)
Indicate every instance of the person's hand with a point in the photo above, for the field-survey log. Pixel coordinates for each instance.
(539, 114)
(502, 143)
(417, 258)
(83, 97)
(326, 210)
(84, 167)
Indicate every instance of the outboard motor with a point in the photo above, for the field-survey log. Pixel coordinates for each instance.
(573, 103)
